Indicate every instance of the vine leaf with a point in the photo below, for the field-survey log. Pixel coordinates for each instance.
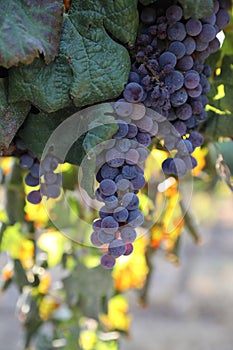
(91, 67)
(29, 29)
(198, 8)
(11, 117)
(218, 125)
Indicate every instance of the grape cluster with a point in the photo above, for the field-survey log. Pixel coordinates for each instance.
(120, 176)
(40, 174)
(169, 74)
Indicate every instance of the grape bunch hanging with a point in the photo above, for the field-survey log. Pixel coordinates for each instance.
(169, 77)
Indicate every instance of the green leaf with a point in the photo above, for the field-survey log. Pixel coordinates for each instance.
(197, 9)
(11, 117)
(29, 29)
(218, 125)
(19, 274)
(91, 286)
(38, 128)
(90, 67)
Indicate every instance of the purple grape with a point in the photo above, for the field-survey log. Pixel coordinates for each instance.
(138, 182)
(104, 212)
(167, 58)
(123, 145)
(166, 165)
(51, 191)
(200, 45)
(111, 202)
(107, 261)
(179, 97)
(195, 138)
(108, 187)
(195, 92)
(211, 19)
(184, 147)
(135, 218)
(96, 225)
(174, 13)
(180, 127)
(34, 197)
(26, 161)
(128, 234)
(109, 225)
(108, 172)
(129, 249)
(49, 163)
(193, 27)
(95, 239)
(117, 248)
(130, 201)
(185, 63)
(120, 214)
(31, 181)
(190, 45)
(177, 32)
(203, 55)
(175, 79)
(123, 108)
(178, 167)
(191, 79)
(50, 178)
(132, 131)
(184, 112)
(133, 93)
(222, 18)
(177, 48)
(197, 107)
(129, 172)
(144, 138)
(214, 45)
(123, 184)
(122, 130)
(207, 33)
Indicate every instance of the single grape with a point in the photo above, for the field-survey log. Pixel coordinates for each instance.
(133, 78)
(120, 214)
(195, 92)
(135, 218)
(107, 187)
(123, 184)
(50, 178)
(179, 97)
(104, 212)
(96, 225)
(189, 44)
(108, 172)
(174, 13)
(132, 157)
(144, 138)
(200, 45)
(51, 191)
(31, 181)
(143, 154)
(175, 79)
(129, 172)
(195, 138)
(207, 33)
(167, 58)
(222, 18)
(49, 163)
(178, 167)
(95, 239)
(116, 248)
(107, 261)
(114, 158)
(132, 132)
(145, 124)
(111, 202)
(130, 201)
(193, 27)
(180, 127)
(197, 107)
(128, 234)
(185, 63)
(129, 249)
(123, 145)
(122, 129)
(138, 182)
(109, 225)
(166, 165)
(26, 161)
(211, 19)
(184, 112)
(123, 108)
(177, 48)
(34, 197)
(191, 79)
(177, 32)
(133, 93)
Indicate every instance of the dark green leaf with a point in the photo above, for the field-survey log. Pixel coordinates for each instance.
(218, 125)
(197, 9)
(11, 117)
(90, 66)
(19, 274)
(28, 29)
